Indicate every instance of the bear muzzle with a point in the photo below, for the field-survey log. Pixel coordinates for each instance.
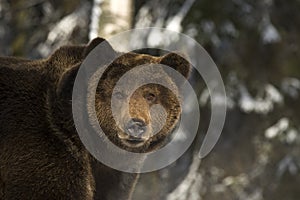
(136, 129)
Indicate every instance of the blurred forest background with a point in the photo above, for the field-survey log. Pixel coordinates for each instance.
(256, 46)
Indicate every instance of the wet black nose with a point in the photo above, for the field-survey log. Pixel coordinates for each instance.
(136, 128)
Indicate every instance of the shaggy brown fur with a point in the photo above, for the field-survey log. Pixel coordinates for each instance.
(41, 155)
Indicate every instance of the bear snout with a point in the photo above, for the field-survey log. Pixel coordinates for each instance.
(135, 128)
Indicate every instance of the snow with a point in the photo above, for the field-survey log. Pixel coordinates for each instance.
(291, 87)
(259, 104)
(277, 129)
(269, 33)
(291, 136)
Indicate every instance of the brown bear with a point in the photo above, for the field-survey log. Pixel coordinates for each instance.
(41, 154)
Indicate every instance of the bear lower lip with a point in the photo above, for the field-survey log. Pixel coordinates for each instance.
(134, 141)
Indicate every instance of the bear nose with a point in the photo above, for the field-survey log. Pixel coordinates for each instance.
(135, 128)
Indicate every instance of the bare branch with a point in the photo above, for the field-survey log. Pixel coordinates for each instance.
(190, 186)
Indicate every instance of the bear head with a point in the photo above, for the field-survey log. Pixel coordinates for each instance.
(135, 126)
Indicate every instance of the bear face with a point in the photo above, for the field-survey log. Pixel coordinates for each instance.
(137, 129)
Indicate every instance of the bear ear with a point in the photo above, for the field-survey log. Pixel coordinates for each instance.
(66, 82)
(177, 62)
(95, 42)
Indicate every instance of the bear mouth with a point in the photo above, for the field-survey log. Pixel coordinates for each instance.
(131, 141)
(134, 142)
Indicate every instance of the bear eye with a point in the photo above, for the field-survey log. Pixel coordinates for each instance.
(150, 97)
(119, 95)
